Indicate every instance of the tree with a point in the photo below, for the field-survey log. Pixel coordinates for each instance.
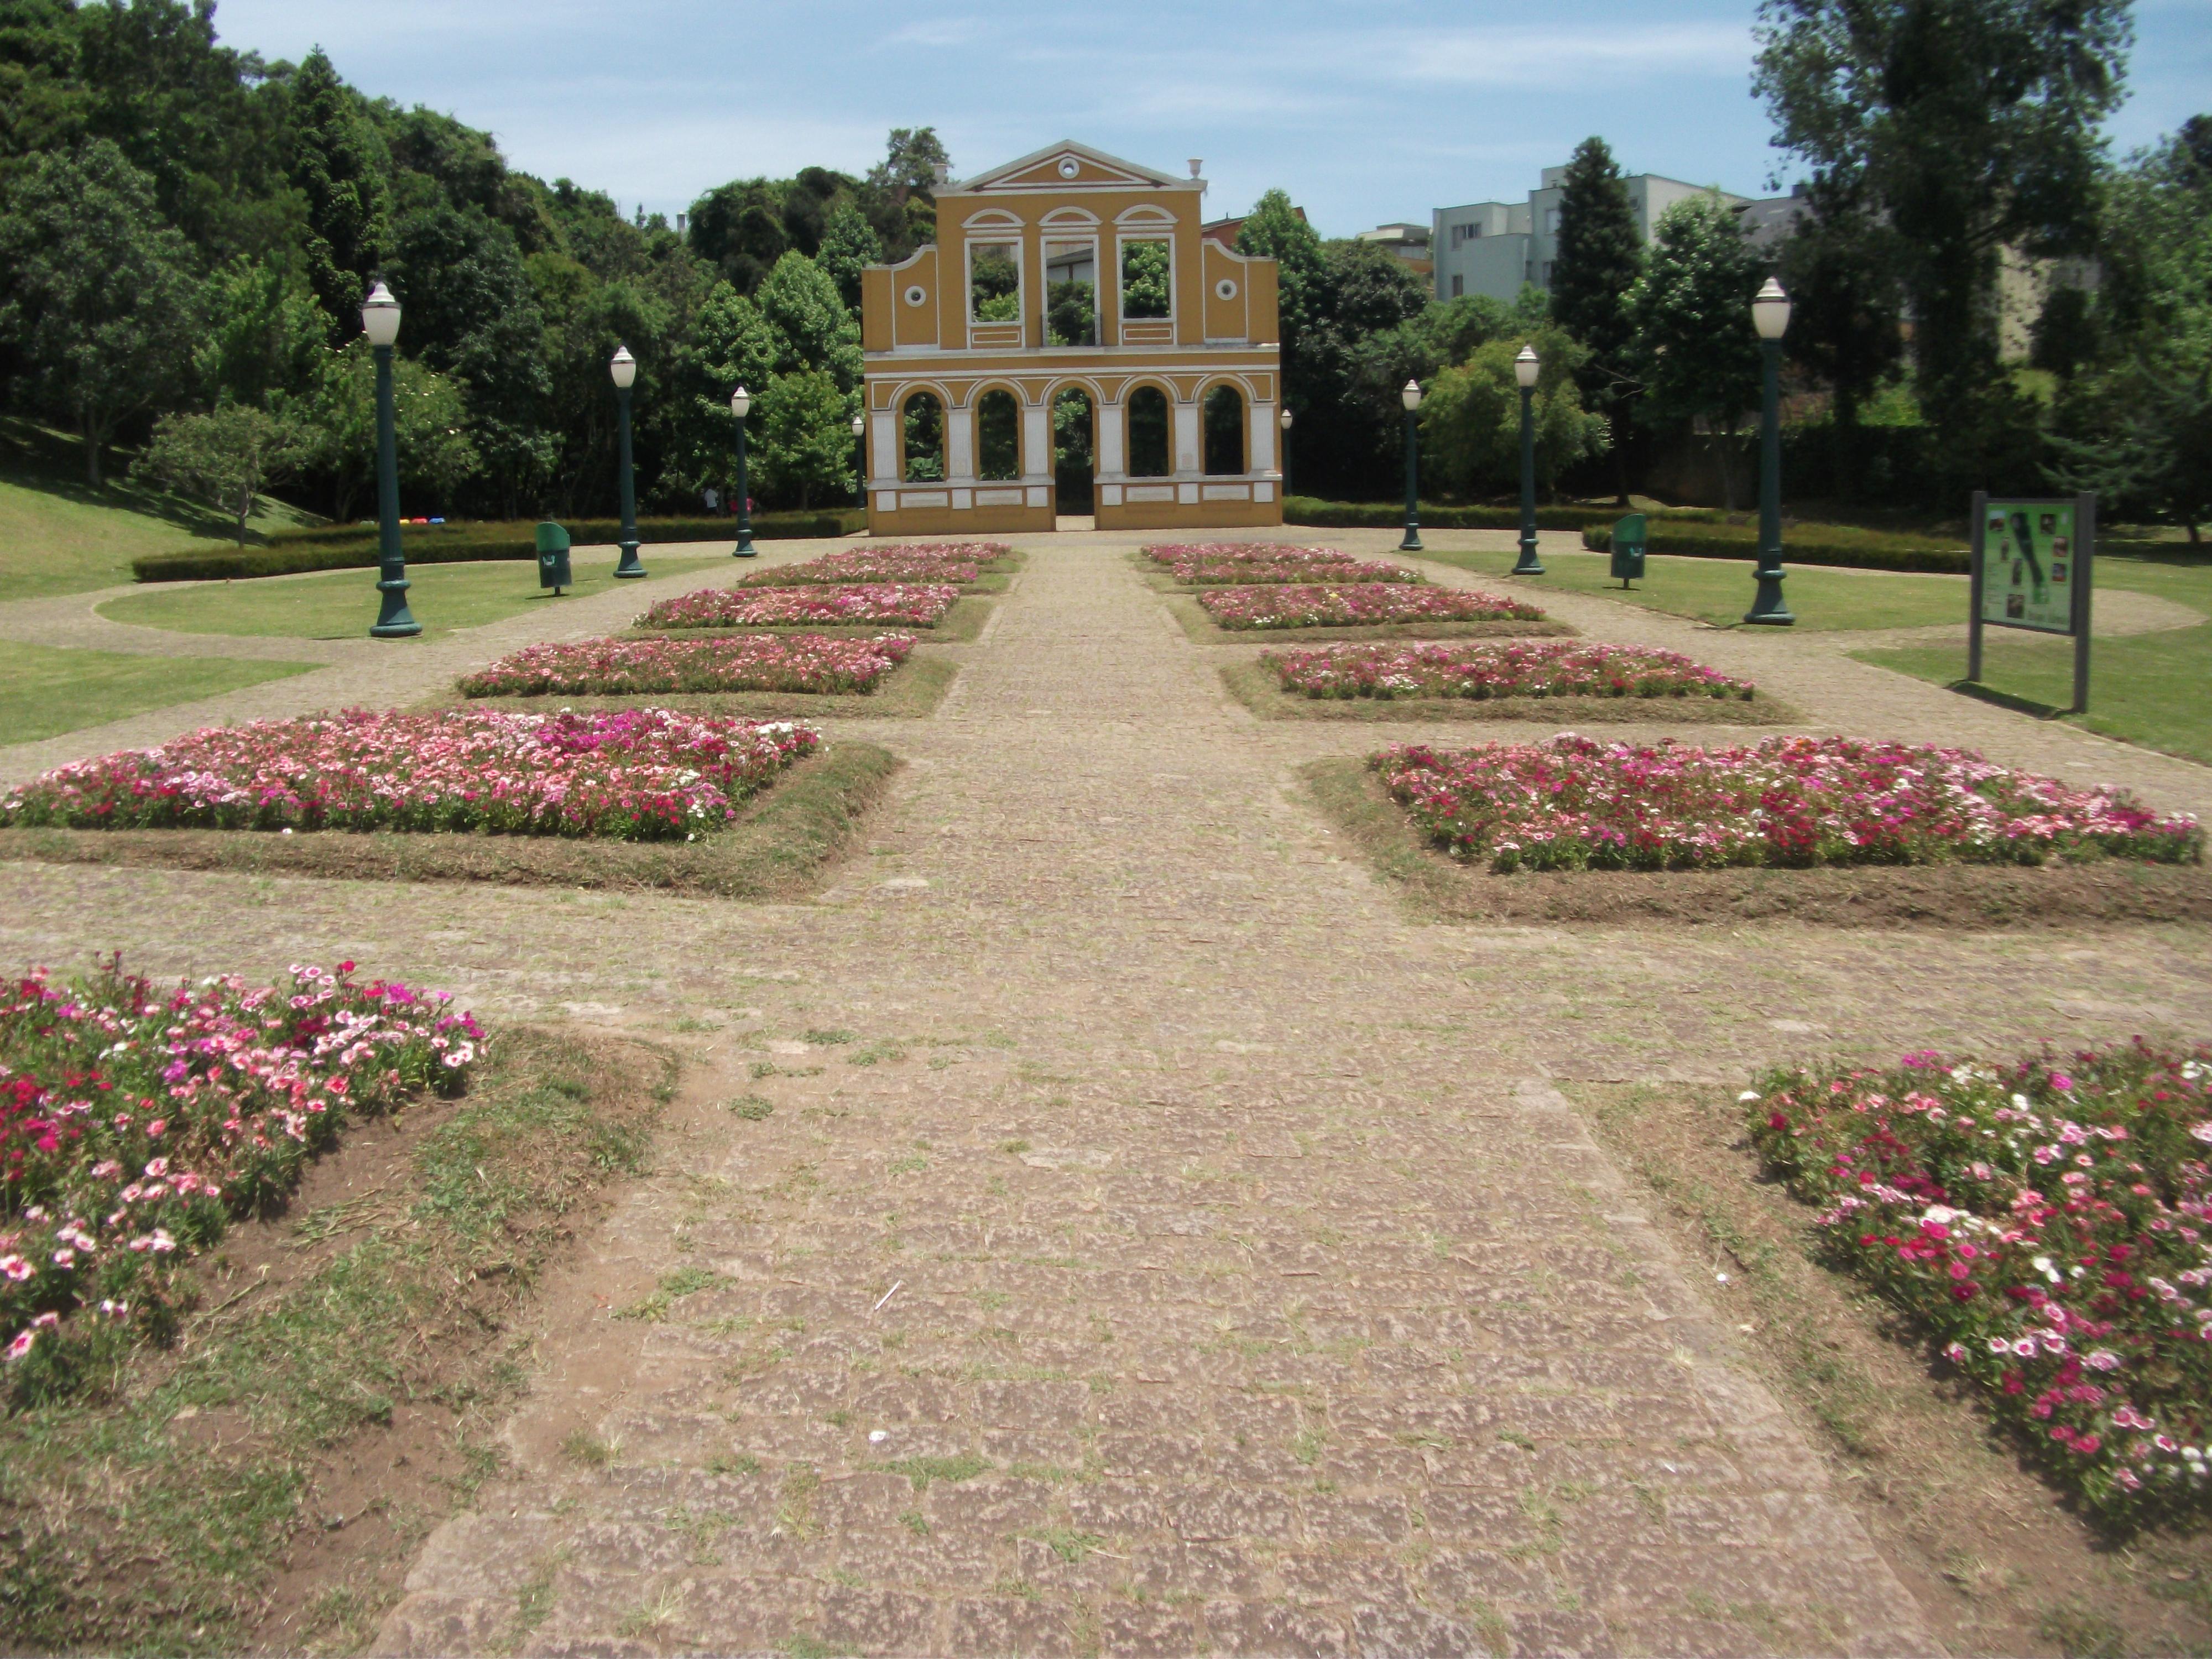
(1599, 257)
(340, 167)
(99, 296)
(435, 456)
(1839, 268)
(1696, 352)
(264, 332)
(1275, 229)
(849, 245)
(1967, 127)
(1471, 418)
(905, 182)
(226, 457)
(808, 323)
(800, 435)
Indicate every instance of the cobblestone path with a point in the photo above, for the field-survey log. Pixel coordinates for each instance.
(1159, 1243)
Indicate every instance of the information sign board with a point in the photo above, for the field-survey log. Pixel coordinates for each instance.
(2031, 569)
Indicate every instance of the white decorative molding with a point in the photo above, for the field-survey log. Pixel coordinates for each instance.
(1109, 495)
(917, 295)
(924, 498)
(1226, 288)
(1263, 492)
(997, 498)
(1150, 492)
(887, 501)
(1037, 495)
(963, 500)
(1187, 494)
(1068, 218)
(1225, 493)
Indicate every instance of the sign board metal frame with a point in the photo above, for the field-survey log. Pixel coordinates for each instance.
(2033, 546)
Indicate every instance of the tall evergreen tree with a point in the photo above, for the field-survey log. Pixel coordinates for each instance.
(1599, 257)
(1841, 274)
(339, 166)
(849, 245)
(1696, 351)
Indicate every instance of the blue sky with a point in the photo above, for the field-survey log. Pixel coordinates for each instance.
(1367, 112)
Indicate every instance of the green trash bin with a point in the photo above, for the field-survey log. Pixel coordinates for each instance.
(1628, 545)
(553, 570)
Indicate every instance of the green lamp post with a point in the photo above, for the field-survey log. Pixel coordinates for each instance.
(860, 459)
(379, 321)
(1770, 315)
(1284, 420)
(741, 402)
(1411, 396)
(1525, 369)
(623, 368)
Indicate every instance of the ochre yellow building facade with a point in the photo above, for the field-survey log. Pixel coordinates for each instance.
(1070, 292)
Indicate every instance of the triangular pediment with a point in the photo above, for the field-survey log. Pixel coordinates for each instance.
(1069, 166)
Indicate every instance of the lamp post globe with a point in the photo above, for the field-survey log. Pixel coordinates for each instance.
(1283, 420)
(1526, 368)
(741, 402)
(1411, 396)
(860, 459)
(623, 370)
(1770, 317)
(380, 322)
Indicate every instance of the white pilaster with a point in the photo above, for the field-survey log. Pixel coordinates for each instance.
(1187, 460)
(1112, 460)
(960, 443)
(1036, 443)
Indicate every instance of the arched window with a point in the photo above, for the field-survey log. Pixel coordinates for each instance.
(924, 421)
(1224, 430)
(998, 436)
(1072, 446)
(1148, 432)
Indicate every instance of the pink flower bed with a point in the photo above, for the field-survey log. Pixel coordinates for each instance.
(1259, 563)
(1358, 605)
(136, 1120)
(957, 561)
(1506, 668)
(906, 605)
(751, 662)
(1570, 804)
(638, 774)
(2049, 1224)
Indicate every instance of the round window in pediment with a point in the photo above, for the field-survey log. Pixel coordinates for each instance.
(917, 295)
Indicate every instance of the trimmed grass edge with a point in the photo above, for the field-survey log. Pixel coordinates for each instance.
(1255, 685)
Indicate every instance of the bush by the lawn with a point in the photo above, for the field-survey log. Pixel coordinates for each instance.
(1386, 515)
(1823, 544)
(354, 547)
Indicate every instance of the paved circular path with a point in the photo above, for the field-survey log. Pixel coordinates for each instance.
(1204, 1256)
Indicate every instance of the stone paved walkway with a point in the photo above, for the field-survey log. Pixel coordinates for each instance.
(1159, 1243)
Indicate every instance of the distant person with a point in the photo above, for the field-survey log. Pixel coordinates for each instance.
(713, 497)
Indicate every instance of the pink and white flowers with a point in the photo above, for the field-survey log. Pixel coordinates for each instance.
(752, 662)
(951, 561)
(2078, 1301)
(135, 1120)
(1572, 803)
(1258, 564)
(1506, 668)
(906, 605)
(1356, 604)
(639, 773)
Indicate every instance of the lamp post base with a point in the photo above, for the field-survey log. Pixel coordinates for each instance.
(627, 565)
(1767, 607)
(393, 619)
(745, 548)
(1529, 564)
(1413, 542)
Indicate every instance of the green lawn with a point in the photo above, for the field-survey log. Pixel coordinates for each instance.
(342, 604)
(1719, 591)
(2147, 688)
(45, 691)
(58, 535)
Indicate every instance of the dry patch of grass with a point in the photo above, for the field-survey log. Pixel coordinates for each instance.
(264, 1483)
(1964, 896)
(1985, 1546)
(789, 833)
(1259, 689)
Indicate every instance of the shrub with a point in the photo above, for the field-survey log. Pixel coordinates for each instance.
(752, 662)
(1507, 668)
(1356, 604)
(2049, 1223)
(1570, 803)
(1821, 544)
(641, 774)
(134, 1122)
(1309, 511)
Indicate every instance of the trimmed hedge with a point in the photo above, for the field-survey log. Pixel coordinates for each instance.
(1841, 545)
(351, 547)
(1385, 515)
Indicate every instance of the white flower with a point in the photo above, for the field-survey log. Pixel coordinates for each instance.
(1749, 1094)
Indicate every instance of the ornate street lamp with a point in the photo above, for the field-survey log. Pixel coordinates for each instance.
(1284, 420)
(624, 370)
(1411, 396)
(860, 461)
(1525, 368)
(1770, 315)
(741, 402)
(379, 321)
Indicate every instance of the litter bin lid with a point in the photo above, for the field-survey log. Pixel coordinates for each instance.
(552, 538)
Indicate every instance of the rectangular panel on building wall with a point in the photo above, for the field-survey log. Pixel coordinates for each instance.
(1226, 493)
(887, 501)
(1003, 498)
(909, 498)
(1150, 493)
(1110, 495)
(963, 500)
(883, 444)
(960, 440)
(1260, 439)
(1037, 494)
(1112, 423)
(1263, 492)
(1036, 442)
(1185, 437)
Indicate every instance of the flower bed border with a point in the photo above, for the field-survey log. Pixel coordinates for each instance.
(784, 834)
(1253, 683)
(959, 625)
(1942, 897)
(1182, 603)
(910, 692)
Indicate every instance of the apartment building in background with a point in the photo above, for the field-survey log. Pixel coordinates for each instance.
(1493, 248)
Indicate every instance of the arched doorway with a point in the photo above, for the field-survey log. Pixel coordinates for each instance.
(1224, 430)
(998, 436)
(923, 435)
(1148, 434)
(1074, 449)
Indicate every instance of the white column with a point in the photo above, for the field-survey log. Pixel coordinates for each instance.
(1037, 444)
(960, 443)
(883, 446)
(1259, 444)
(1112, 460)
(1187, 460)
